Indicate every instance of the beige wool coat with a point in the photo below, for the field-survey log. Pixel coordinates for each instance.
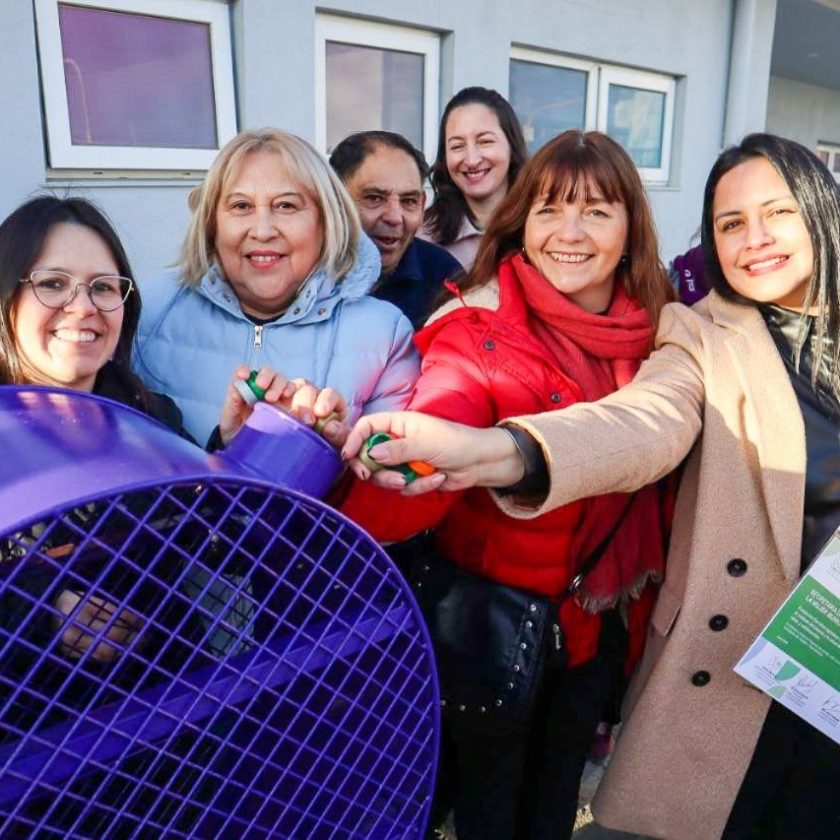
(716, 391)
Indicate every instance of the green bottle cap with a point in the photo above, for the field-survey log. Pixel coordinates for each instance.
(364, 456)
(249, 390)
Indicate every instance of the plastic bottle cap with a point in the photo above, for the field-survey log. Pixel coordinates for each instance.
(322, 421)
(364, 456)
(249, 390)
(368, 460)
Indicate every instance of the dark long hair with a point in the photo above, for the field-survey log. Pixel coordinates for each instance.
(816, 194)
(445, 216)
(22, 236)
(563, 169)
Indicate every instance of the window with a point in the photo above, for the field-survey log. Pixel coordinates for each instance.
(637, 109)
(375, 76)
(136, 85)
(553, 93)
(829, 154)
(550, 94)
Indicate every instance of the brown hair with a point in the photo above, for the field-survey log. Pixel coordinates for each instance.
(446, 215)
(22, 237)
(568, 167)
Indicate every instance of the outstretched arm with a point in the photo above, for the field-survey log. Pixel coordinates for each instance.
(463, 456)
(623, 442)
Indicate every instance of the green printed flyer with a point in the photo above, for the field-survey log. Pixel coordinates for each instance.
(796, 658)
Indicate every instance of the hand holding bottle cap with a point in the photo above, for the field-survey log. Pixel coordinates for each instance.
(252, 394)
(249, 390)
(409, 470)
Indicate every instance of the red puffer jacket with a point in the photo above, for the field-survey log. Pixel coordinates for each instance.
(482, 364)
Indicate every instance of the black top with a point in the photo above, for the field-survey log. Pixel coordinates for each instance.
(416, 282)
(821, 414)
(115, 385)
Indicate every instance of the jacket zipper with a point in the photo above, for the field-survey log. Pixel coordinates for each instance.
(258, 335)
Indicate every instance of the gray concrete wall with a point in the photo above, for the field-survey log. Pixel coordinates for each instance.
(273, 43)
(805, 113)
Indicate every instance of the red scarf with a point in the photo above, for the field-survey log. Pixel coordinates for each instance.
(600, 353)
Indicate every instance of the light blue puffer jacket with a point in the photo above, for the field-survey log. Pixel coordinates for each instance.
(333, 334)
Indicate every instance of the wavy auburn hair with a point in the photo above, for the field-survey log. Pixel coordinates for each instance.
(569, 167)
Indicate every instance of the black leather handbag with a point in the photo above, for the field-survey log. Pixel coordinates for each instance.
(488, 642)
(491, 641)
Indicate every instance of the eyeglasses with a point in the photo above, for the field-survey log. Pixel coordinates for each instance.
(56, 289)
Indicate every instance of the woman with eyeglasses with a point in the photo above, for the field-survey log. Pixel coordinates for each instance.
(69, 311)
(68, 305)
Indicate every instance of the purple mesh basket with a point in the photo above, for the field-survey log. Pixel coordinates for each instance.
(189, 650)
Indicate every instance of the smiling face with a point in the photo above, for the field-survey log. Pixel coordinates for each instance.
(477, 153)
(576, 245)
(269, 234)
(761, 240)
(388, 192)
(67, 347)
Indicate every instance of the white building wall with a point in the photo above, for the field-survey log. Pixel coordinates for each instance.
(273, 44)
(753, 27)
(806, 113)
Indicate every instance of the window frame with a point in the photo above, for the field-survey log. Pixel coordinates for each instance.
(833, 152)
(601, 75)
(383, 36)
(642, 80)
(63, 154)
(562, 62)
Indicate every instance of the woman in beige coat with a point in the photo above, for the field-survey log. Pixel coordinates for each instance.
(703, 754)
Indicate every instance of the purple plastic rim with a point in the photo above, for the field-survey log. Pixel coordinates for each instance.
(276, 446)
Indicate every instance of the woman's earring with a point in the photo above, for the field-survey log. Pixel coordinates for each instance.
(624, 260)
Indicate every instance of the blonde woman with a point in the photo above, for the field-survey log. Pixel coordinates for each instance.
(274, 270)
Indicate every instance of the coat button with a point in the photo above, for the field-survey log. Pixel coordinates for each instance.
(737, 567)
(701, 678)
(555, 397)
(718, 622)
(489, 344)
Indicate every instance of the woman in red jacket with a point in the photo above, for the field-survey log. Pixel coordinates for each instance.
(560, 307)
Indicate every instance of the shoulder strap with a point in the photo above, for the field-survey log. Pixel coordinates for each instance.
(592, 560)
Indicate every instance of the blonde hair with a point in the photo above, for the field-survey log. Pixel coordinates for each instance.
(305, 165)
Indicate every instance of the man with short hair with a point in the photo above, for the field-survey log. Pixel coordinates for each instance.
(384, 174)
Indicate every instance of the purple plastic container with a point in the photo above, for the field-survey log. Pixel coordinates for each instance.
(188, 650)
(276, 446)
